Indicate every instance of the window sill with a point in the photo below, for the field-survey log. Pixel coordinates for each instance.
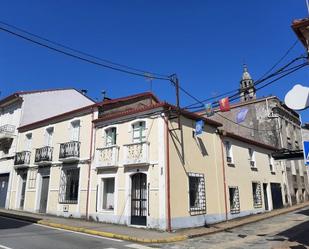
(254, 169)
(273, 172)
(108, 211)
(68, 202)
(231, 165)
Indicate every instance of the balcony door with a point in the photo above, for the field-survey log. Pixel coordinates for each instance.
(139, 199)
(75, 128)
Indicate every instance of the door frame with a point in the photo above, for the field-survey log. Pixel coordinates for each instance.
(40, 174)
(19, 185)
(128, 188)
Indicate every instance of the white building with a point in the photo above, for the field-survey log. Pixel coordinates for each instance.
(22, 108)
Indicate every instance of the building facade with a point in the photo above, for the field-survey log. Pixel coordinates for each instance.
(22, 108)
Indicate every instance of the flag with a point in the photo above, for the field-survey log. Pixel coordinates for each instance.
(224, 104)
(241, 115)
(199, 125)
(208, 109)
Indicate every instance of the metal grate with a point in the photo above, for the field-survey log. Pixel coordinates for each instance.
(69, 186)
(197, 194)
(234, 200)
(257, 194)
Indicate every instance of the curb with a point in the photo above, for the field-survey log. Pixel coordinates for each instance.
(112, 235)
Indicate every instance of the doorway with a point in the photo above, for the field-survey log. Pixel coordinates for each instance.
(4, 182)
(23, 178)
(265, 196)
(139, 199)
(44, 194)
(276, 195)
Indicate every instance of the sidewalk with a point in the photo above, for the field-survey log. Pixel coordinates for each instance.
(139, 234)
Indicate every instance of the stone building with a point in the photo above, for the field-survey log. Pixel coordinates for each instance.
(269, 121)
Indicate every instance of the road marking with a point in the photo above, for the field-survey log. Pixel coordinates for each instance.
(5, 247)
(137, 246)
(54, 228)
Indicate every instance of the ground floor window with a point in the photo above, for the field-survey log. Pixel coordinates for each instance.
(234, 200)
(32, 178)
(108, 200)
(69, 185)
(257, 194)
(197, 193)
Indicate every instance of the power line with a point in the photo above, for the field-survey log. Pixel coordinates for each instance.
(144, 74)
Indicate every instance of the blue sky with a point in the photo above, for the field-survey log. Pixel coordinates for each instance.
(204, 42)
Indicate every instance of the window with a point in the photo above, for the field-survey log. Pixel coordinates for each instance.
(75, 128)
(110, 136)
(32, 178)
(197, 194)
(302, 179)
(257, 194)
(49, 136)
(228, 150)
(234, 200)
(108, 193)
(69, 185)
(251, 157)
(28, 142)
(271, 163)
(139, 132)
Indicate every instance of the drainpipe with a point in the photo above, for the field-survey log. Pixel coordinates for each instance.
(89, 164)
(169, 227)
(223, 174)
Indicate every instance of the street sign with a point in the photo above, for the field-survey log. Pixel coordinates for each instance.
(306, 152)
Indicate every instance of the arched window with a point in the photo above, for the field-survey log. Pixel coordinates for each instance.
(139, 131)
(110, 136)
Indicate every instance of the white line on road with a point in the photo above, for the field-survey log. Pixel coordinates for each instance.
(137, 246)
(54, 228)
(4, 247)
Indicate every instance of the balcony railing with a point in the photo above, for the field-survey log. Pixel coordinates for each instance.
(7, 131)
(22, 158)
(69, 150)
(107, 156)
(43, 155)
(136, 153)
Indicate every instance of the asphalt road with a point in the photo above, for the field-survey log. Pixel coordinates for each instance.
(16, 234)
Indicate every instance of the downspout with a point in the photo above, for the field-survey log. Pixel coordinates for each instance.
(224, 177)
(89, 164)
(169, 227)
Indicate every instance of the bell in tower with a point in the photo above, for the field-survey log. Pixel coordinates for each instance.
(247, 89)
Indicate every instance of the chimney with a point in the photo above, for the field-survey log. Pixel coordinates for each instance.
(104, 97)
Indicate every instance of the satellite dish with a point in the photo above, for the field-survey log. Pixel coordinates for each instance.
(297, 98)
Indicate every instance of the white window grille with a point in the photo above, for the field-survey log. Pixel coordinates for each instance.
(32, 178)
(139, 132)
(257, 194)
(197, 194)
(108, 193)
(234, 200)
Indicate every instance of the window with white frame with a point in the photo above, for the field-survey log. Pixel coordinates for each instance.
(28, 141)
(271, 163)
(139, 132)
(32, 178)
(228, 150)
(251, 157)
(49, 136)
(69, 185)
(110, 136)
(75, 129)
(197, 196)
(257, 194)
(234, 200)
(108, 198)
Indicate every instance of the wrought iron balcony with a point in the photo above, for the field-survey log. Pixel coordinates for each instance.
(43, 155)
(107, 156)
(22, 159)
(7, 131)
(136, 153)
(69, 151)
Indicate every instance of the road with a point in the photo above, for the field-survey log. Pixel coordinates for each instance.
(281, 232)
(16, 234)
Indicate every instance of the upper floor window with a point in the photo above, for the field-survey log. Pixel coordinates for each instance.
(75, 129)
(251, 157)
(28, 142)
(110, 136)
(49, 132)
(271, 163)
(228, 150)
(139, 131)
